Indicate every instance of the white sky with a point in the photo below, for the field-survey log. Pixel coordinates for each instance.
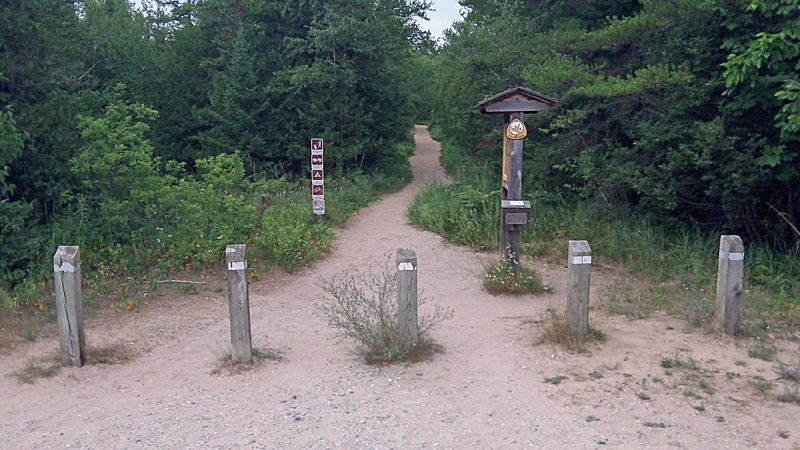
(442, 16)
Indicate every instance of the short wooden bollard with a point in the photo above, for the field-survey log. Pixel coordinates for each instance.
(578, 277)
(729, 283)
(69, 305)
(407, 303)
(239, 303)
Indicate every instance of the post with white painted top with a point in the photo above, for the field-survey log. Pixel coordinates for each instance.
(69, 305)
(578, 275)
(729, 283)
(407, 319)
(239, 303)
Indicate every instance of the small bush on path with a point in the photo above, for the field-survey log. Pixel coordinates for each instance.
(500, 279)
(363, 307)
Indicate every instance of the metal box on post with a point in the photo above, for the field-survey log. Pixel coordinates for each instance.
(516, 214)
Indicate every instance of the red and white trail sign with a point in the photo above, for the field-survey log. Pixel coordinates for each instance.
(317, 177)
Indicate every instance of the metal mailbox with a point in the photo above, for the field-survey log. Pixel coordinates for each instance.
(516, 214)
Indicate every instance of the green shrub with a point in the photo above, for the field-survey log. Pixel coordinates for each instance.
(500, 279)
(363, 306)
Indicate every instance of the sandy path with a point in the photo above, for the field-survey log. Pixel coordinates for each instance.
(485, 391)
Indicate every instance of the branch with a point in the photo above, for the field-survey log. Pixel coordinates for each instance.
(785, 217)
(87, 72)
(181, 281)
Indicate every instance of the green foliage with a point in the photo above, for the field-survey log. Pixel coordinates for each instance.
(762, 350)
(621, 299)
(15, 250)
(761, 78)
(461, 213)
(308, 69)
(500, 279)
(363, 306)
(239, 88)
(680, 263)
(642, 119)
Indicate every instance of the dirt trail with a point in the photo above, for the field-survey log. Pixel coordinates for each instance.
(485, 391)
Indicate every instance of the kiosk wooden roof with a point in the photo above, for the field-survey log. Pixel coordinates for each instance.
(516, 100)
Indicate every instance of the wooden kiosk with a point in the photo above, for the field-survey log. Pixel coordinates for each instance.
(513, 104)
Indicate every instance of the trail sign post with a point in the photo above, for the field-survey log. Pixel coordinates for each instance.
(69, 305)
(513, 104)
(317, 177)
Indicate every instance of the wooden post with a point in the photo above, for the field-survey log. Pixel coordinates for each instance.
(239, 303)
(729, 283)
(504, 190)
(514, 237)
(69, 305)
(578, 275)
(513, 103)
(407, 321)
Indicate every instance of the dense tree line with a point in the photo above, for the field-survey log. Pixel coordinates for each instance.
(683, 109)
(123, 127)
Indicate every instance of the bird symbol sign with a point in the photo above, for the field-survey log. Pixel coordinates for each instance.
(516, 130)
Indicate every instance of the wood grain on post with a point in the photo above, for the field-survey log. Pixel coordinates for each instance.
(69, 305)
(578, 277)
(730, 283)
(407, 302)
(514, 238)
(515, 165)
(239, 303)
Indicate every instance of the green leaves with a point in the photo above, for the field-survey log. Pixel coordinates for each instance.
(645, 79)
(642, 119)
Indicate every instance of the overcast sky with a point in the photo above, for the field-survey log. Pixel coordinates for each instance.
(444, 14)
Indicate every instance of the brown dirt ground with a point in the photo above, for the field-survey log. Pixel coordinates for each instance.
(486, 390)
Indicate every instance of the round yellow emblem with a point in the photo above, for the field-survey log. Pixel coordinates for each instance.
(516, 130)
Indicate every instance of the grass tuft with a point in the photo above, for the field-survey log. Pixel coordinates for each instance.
(227, 366)
(621, 299)
(760, 384)
(789, 396)
(49, 366)
(764, 351)
(38, 368)
(557, 332)
(555, 380)
(500, 279)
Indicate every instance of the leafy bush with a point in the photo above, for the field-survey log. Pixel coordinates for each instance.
(681, 262)
(363, 307)
(149, 216)
(500, 279)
